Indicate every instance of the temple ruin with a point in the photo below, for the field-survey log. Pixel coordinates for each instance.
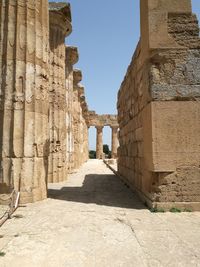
(45, 118)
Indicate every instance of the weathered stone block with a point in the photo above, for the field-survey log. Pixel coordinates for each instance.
(175, 135)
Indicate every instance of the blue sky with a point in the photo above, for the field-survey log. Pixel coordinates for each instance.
(106, 33)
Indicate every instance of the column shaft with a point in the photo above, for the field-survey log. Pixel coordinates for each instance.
(99, 143)
(60, 27)
(71, 59)
(24, 101)
(115, 142)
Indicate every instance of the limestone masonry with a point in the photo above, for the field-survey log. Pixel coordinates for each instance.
(159, 108)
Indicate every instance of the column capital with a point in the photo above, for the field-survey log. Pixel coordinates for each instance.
(114, 127)
(60, 17)
(99, 127)
(72, 55)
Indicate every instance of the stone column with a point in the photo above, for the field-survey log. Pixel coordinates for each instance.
(99, 144)
(71, 59)
(115, 142)
(85, 129)
(86, 143)
(60, 28)
(77, 76)
(24, 102)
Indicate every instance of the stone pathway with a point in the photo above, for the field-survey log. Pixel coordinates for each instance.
(94, 220)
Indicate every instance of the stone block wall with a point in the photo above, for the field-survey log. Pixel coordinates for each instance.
(159, 108)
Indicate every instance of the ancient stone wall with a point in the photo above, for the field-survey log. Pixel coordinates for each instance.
(159, 108)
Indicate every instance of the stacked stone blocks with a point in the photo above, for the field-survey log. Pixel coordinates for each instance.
(159, 108)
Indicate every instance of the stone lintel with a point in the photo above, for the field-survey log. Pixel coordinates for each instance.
(60, 16)
(72, 55)
(105, 119)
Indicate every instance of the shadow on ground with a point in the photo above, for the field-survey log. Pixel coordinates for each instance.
(105, 190)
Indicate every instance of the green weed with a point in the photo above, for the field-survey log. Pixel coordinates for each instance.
(2, 254)
(174, 210)
(156, 210)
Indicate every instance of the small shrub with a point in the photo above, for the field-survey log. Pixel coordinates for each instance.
(92, 154)
(187, 210)
(156, 210)
(2, 254)
(174, 209)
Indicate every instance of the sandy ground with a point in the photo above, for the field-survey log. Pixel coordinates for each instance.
(3, 211)
(94, 220)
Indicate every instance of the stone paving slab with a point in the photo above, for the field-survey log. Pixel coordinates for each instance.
(94, 220)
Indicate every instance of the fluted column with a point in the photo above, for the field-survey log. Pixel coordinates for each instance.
(86, 143)
(24, 103)
(71, 59)
(60, 28)
(84, 127)
(115, 142)
(99, 142)
(77, 77)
